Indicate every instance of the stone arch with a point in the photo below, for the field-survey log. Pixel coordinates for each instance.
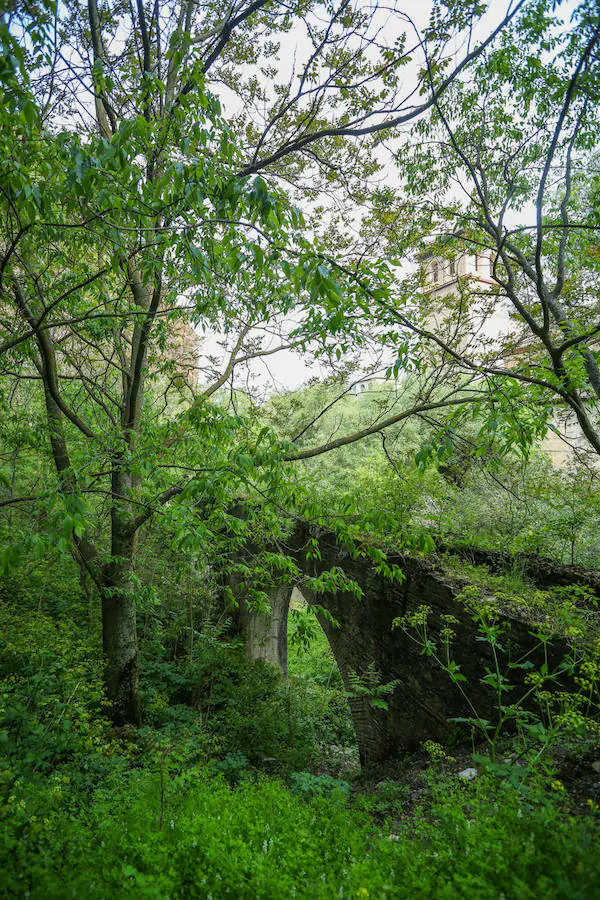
(423, 699)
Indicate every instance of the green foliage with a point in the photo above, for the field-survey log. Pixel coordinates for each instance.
(232, 767)
(315, 676)
(524, 506)
(180, 809)
(148, 213)
(454, 493)
(522, 113)
(50, 684)
(307, 786)
(367, 685)
(260, 840)
(388, 801)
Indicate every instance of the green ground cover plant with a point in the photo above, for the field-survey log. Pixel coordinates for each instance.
(190, 805)
(260, 840)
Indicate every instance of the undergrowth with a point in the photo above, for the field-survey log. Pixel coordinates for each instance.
(261, 841)
(227, 791)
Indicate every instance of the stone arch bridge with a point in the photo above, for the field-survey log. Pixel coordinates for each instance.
(424, 698)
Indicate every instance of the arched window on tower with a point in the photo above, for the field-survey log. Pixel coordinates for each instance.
(453, 267)
(435, 273)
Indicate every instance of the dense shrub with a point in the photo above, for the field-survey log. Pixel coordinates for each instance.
(260, 841)
(180, 809)
(50, 688)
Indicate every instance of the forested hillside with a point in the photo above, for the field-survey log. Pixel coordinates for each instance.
(338, 638)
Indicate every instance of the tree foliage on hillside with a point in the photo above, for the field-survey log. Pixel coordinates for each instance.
(136, 206)
(132, 206)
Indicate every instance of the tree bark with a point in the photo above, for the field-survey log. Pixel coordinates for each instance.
(119, 645)
(119, 629)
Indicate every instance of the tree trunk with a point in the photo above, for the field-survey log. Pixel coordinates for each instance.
(120, 650)
(119, 629)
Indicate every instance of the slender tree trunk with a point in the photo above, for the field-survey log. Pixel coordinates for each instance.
(119, 646)
(119, 628)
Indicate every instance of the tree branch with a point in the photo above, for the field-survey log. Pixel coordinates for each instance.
(374, 429)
